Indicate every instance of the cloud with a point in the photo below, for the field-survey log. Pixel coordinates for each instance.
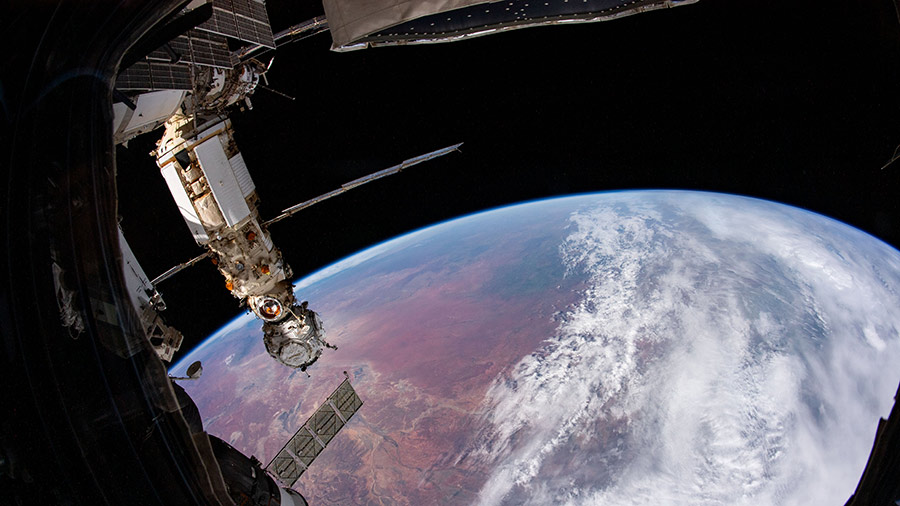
(724, 353)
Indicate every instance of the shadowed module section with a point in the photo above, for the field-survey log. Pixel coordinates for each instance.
(879, 483)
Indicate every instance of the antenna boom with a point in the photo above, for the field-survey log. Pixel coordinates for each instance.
(287, 213)
(178, 268)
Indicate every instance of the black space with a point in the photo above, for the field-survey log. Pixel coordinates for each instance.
(795, 102)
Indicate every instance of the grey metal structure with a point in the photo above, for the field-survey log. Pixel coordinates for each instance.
(308, 442)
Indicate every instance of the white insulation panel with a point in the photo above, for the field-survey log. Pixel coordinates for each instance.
(184, 203)
(242, 174)
(136, 280)
(222, 181)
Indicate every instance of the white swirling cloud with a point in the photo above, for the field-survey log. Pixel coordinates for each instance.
(727, 351)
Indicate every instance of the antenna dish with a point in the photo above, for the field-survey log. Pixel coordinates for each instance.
(193, 372)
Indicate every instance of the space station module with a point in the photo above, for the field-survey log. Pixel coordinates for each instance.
(208, 179)
(148, 303)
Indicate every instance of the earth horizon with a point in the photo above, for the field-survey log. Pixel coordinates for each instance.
(635, 347)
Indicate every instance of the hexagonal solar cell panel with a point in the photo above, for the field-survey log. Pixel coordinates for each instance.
(308, 442)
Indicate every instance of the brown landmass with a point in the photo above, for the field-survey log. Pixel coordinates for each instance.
(422, 346)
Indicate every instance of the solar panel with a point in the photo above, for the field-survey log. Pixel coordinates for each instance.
(155, 75)
(157, 71)
(203, 48)
(356, 24)
(308, 442)
(206, 45)
(246, 20)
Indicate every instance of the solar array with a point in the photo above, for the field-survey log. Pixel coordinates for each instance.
(358, 24)
(201, 48)
(245, 20)
(151, 75)
(308, 442)
(508, 14)
(169, 67)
